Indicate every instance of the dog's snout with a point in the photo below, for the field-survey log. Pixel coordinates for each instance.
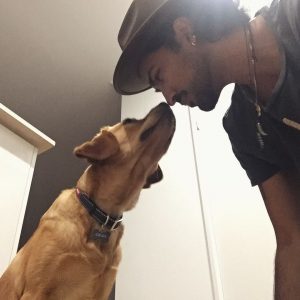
(164, 109)
(147, 133)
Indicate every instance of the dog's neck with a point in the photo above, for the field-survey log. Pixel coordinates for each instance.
(105, 220)
(101, 193)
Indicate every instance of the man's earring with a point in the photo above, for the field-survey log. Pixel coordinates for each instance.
(193, 40)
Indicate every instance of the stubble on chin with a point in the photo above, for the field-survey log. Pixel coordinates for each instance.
(205, 96)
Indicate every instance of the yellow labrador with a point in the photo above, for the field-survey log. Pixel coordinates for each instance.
(75, 251)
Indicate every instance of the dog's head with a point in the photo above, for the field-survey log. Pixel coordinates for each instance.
(124, 158)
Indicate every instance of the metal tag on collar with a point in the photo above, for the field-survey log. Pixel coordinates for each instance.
(103, 236)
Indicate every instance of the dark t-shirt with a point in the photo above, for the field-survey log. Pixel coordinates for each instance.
(281, 150)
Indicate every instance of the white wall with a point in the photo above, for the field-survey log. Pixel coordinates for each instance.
(164, 245)
(240, 224)
(169, 233)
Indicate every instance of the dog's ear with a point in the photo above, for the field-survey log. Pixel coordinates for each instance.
(153, 178)
(99, 148)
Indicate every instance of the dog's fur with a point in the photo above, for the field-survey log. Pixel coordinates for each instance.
(61, 261)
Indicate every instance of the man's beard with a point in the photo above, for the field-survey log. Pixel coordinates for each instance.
(205, 96)
(207, 101)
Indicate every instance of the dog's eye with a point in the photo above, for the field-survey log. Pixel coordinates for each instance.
(129, 120)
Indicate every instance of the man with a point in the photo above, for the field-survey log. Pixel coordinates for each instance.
(190, 50)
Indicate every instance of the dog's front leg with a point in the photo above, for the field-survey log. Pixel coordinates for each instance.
(109, 276)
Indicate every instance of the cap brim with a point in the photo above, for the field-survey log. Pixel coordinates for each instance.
(127, 78)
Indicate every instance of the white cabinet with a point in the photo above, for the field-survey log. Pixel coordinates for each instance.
(20, 143)
(203, 232)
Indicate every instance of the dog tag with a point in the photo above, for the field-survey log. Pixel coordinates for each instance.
(103, 236)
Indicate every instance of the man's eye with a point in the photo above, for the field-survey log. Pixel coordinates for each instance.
(157, 81)
(157, 77)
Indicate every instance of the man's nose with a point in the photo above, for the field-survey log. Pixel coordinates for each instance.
(170, 98)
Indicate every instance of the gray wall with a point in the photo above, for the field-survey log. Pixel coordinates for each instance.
(56, 65)
(70, 113)
(55, 72)
(68, 125)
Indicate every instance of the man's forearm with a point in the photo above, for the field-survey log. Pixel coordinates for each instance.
(287, 271)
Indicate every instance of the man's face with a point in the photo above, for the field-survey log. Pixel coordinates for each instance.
(182, 76)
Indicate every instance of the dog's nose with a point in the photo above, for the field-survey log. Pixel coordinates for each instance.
(163, 104)
(164, 107)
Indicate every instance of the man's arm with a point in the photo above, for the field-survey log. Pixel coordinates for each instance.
(281, 194)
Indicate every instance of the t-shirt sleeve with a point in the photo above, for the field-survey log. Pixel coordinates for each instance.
(257, 169)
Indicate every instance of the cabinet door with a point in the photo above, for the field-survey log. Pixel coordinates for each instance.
(165, 253)
(17, 159)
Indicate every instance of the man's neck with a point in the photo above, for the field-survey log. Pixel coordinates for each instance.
(268, 59)
(230, 59)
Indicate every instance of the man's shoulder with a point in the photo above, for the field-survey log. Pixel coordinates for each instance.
(241, 111)
(259, 159)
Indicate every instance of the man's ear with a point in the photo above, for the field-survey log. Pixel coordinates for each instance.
(102, 146)
(183, 29)
(153, 178)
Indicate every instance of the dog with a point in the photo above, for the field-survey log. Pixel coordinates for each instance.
(75, 251)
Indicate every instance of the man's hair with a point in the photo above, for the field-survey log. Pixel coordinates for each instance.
(211, 19)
